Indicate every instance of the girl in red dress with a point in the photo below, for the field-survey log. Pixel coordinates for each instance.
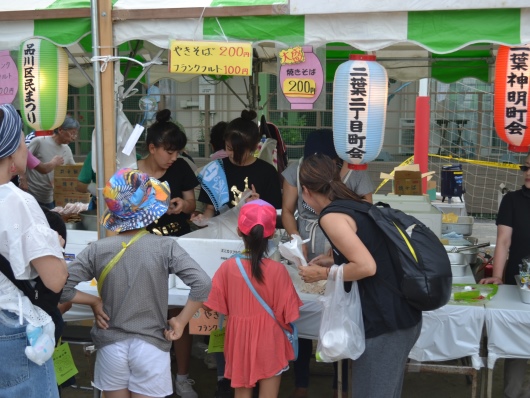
(256, 348)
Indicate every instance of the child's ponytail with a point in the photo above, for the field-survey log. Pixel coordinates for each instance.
(256, 247)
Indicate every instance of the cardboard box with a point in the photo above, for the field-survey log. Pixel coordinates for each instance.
(68, 170)
(407, 179)
(205, 322)
(431, 190)
(64, 184)
(62, 199)
(407, 183)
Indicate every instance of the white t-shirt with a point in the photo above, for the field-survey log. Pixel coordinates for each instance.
(24, 231)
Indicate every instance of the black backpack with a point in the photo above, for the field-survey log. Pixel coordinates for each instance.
(427, 277)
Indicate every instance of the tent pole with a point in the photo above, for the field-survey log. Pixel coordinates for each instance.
(78, 66)
(97, 117)
(421, 130)
(104, 106)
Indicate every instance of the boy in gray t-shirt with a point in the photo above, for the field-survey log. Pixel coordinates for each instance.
(132, 269)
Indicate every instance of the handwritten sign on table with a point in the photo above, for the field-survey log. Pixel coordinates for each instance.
(205, 322)
(63, 362)
(217, 341)
(210, 58)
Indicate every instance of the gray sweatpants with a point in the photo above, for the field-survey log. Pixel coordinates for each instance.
(514, 378)
(379, 371)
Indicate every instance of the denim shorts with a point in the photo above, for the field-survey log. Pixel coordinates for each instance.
(19, 377)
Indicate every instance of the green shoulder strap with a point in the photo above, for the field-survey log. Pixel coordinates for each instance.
(117, 257)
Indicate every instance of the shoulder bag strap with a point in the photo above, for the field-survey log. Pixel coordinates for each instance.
(117, 258)
(255, 293)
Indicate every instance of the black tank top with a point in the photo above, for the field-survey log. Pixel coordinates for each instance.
(383, 310)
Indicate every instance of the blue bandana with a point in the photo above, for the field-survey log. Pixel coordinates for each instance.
(10, 130)
(213, 180)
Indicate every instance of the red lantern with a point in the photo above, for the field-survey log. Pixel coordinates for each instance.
(512, 96)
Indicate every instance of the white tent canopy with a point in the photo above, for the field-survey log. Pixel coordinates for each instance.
(407, 36)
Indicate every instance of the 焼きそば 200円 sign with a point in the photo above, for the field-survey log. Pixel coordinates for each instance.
(210, 58)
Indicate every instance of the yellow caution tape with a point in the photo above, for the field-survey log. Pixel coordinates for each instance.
(498, 165)
(478, 162)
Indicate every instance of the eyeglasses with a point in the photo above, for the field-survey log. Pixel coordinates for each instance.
(524, 168)
(70, 131)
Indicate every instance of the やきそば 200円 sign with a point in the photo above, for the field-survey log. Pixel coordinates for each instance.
(210, 58)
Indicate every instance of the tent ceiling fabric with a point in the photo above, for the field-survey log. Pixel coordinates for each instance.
(404, 41)
(306, 7)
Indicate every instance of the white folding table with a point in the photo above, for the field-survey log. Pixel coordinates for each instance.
(507, 327)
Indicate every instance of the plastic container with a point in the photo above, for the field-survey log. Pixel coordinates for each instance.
(524, 293)
(458, 269)
(463, 226)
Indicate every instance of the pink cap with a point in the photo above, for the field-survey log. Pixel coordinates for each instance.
(257, 212)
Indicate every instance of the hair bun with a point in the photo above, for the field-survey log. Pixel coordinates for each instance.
(163, 116)
(248, 114)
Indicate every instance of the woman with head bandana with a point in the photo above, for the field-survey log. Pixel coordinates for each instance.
(32, 249)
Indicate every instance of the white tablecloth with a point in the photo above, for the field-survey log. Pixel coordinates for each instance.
(450, 332)
(308, 323)
(507, 325)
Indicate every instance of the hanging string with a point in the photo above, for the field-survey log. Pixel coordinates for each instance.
(108, 58)
(220, 27)
(198, 23)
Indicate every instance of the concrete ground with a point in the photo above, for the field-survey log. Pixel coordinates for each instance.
(415, 384)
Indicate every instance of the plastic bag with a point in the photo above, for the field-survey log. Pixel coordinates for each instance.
(224, 226)
(341, 332)
(292, 250)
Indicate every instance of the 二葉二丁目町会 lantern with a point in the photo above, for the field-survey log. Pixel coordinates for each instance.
(360, 91)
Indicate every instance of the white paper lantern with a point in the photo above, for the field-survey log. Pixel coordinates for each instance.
(360, 92)
(43, 89)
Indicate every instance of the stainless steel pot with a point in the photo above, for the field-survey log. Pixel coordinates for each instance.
(457, 258)
(89, 220)
(470, 255)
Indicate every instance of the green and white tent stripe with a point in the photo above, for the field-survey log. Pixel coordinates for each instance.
(62, 32)
(436, 31)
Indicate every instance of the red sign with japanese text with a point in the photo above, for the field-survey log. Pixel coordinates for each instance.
(512, 90)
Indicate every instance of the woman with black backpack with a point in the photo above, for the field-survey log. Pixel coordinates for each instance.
(391, 324)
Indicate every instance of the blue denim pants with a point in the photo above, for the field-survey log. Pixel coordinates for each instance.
(19, 377)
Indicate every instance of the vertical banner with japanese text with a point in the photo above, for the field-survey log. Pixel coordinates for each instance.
(512, 88)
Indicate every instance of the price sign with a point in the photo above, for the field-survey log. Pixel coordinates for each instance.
(8, 78)
(205, 322)
(300, 88)
(210, 58)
